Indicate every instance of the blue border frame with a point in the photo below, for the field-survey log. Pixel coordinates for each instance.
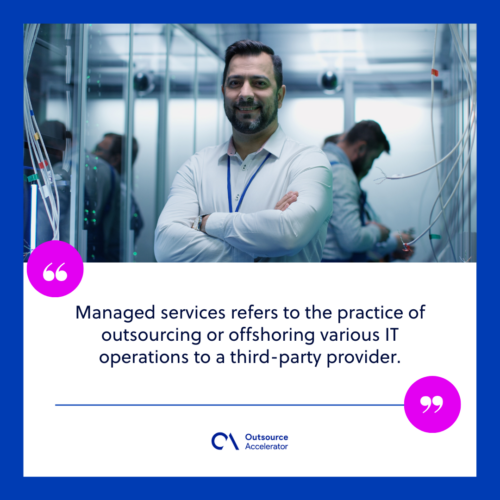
(360, 11)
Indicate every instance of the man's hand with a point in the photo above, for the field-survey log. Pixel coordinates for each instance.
(406, 239)
(204, 223)
(287, 200)
(402, 255)
(384, 231)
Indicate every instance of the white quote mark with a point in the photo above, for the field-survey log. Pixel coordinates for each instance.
(49, 275)
(436, 401)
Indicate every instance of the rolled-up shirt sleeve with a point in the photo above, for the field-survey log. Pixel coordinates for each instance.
(176, 240)
(275, 233)
(351, 235)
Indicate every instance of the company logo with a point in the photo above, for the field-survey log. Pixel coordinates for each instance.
(219, 440)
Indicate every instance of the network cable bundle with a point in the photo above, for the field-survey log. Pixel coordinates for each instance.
(43, 172)
(470, 131)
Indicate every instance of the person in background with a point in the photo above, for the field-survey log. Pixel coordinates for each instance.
(102, 195)
(104, 191)
(259, 197)
(354, 234)
(110, 150)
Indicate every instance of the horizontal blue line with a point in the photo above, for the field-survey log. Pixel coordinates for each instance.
(227, 405)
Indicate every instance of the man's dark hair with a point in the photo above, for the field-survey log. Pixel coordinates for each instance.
(333, 139)
(116, 145)
(369, 131)
(254, 48)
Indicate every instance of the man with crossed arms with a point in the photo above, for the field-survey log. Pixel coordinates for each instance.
(260, 197)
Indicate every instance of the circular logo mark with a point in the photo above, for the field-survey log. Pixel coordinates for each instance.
(55, 268)
(432, 404)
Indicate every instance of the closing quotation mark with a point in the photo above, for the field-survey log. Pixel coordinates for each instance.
(436, 401)
(422, 394)
(60, 275)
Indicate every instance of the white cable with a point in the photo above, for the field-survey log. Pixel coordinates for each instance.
(38, 152)
(473, 93)
(53, 183)
(432, 95)
(467, 73)
(47, 175)
(451, 196)
(468, 78)
(35, 161)
(30, 138)
(449, 174)
(433, 76)
(31, 33)
(397, 177)
(467, 61)
(455, 188)
(471, 127)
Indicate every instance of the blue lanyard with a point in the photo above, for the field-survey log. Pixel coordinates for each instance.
(229, 196)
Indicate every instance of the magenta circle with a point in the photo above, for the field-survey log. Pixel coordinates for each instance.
(48, 258)
(430, 417)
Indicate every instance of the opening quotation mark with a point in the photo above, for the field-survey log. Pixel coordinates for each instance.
(436, 401)
(60, 275)
(55, 269)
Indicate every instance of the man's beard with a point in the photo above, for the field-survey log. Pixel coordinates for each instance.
(358, 166)
(265, 117)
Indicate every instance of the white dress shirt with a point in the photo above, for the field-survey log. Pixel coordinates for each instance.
(256, 231)
(346, 234)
